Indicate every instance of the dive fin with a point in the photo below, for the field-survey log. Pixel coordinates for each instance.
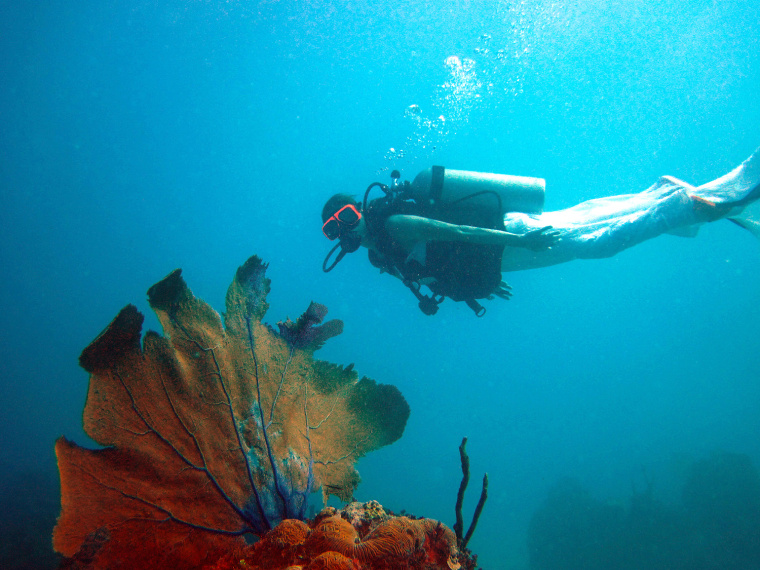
(748, 218)
(750, 225)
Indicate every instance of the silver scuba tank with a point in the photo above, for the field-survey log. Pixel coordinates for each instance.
(439, 186)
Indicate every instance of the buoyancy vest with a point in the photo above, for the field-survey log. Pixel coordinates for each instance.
(461, 271)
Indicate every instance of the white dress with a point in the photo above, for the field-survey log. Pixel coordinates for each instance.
(605, 226)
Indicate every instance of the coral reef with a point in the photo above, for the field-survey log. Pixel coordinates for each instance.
(361, 536)
(216, 430)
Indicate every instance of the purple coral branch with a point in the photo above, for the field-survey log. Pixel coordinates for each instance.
(275, 471)
(304, 333)
(301, 510)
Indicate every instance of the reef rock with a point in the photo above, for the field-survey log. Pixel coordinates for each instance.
(362, 536)
(220, 428)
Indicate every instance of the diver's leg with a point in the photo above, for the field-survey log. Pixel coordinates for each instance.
(736, 189)
(604, 227)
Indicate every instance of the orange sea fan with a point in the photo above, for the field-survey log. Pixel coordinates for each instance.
(217, 429)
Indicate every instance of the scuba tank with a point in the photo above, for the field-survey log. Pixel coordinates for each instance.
(438, 187)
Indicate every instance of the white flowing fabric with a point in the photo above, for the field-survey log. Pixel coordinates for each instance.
(605, 226)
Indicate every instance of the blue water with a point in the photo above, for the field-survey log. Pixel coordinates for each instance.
(144, 136)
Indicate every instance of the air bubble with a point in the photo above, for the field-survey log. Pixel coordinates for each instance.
(453, 62)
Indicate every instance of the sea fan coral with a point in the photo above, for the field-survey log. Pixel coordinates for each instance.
(215, 430)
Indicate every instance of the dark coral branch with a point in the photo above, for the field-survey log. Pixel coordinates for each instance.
(465, 461)
(459, 525)
(478, 510)
(198, 447)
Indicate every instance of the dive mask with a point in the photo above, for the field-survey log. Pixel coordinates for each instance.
(340, 226)
(341, 222)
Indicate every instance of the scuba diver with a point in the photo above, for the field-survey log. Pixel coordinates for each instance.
(455, 232)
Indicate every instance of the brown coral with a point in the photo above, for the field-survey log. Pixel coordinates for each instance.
(393, 542)
(332, 533)
(440, 544)
(332, 561)
(333, 543)
(281, 544)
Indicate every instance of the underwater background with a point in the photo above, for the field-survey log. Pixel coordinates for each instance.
(139, 137)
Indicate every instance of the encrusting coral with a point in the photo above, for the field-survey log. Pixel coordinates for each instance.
(359, 537)
(332, 561)
(216, 430)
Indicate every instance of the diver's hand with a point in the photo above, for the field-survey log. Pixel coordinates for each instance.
(539, 240)
(503, 290)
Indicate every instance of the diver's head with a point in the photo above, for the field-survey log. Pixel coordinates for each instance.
(342, 219)
(335, 203)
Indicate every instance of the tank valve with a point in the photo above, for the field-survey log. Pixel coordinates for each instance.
(400, 189)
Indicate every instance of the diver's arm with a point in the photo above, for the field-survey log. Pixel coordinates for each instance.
(412, 229)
